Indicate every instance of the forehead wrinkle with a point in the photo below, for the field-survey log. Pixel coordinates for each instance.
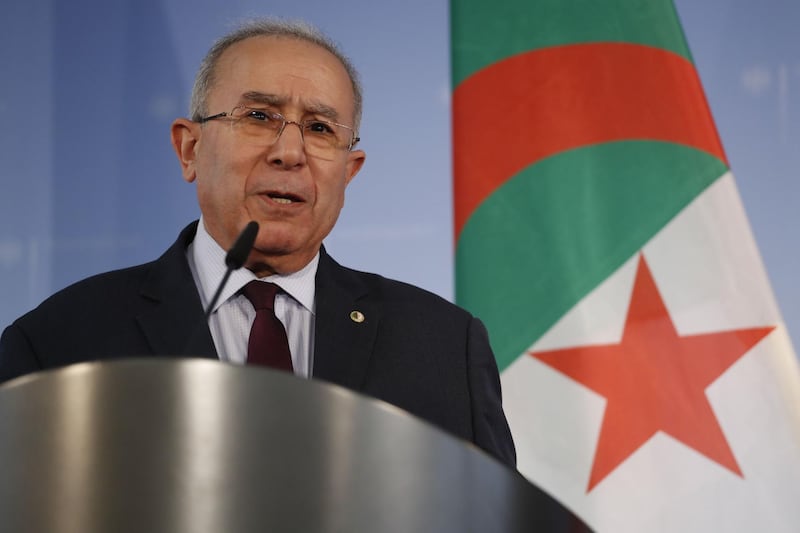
(314, 107)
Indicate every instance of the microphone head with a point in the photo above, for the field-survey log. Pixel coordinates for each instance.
(238, 253)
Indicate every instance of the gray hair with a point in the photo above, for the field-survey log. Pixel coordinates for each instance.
(267, 27)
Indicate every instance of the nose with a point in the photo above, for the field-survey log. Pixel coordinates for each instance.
(288, 150)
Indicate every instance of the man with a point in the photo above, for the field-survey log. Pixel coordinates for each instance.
(272, 138)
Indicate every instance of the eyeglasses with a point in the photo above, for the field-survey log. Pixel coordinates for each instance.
(263, 127)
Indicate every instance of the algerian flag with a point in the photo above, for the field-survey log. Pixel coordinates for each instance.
(648, 376)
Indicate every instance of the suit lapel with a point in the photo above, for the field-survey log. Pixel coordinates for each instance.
(345, 326)
(173, 320)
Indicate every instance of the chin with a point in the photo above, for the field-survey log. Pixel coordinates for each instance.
(277, 243)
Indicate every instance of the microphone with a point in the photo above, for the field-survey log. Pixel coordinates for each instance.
(235, 259)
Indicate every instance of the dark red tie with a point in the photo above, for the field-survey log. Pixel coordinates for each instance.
(268, 345)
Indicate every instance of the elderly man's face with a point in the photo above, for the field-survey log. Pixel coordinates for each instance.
(294, 195)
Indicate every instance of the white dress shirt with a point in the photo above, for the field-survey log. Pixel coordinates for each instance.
(233, 313)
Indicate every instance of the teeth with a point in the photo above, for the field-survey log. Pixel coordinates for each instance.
(282, 200)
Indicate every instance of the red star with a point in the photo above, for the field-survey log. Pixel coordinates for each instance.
(655, 380)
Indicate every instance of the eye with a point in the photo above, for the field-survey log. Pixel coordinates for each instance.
(320, 127)
(258, 114)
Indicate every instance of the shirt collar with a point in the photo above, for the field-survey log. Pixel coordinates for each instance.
(209, 260)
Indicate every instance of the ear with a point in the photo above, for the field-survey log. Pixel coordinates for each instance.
(355, 159)
(185, 135)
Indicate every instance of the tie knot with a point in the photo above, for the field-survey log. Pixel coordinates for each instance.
(261, 294)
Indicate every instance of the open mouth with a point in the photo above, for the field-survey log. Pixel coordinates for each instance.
(284, 199)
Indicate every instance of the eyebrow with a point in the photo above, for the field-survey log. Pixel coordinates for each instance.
(316, 108)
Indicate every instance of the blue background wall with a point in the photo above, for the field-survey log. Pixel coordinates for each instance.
(88, 89)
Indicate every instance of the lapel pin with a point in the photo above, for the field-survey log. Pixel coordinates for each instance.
(357, 317)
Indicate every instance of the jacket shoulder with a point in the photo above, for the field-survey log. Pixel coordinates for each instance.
(394, 294)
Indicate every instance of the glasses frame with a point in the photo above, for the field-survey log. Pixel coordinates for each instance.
(284, 121)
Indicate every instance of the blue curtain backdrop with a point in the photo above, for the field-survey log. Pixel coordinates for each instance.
(89, 88)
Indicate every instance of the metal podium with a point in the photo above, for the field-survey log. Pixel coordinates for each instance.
(191, 445)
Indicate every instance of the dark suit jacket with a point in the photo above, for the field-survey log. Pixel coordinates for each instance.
(414, 350)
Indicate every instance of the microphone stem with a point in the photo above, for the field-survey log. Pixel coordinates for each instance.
(219, 291)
